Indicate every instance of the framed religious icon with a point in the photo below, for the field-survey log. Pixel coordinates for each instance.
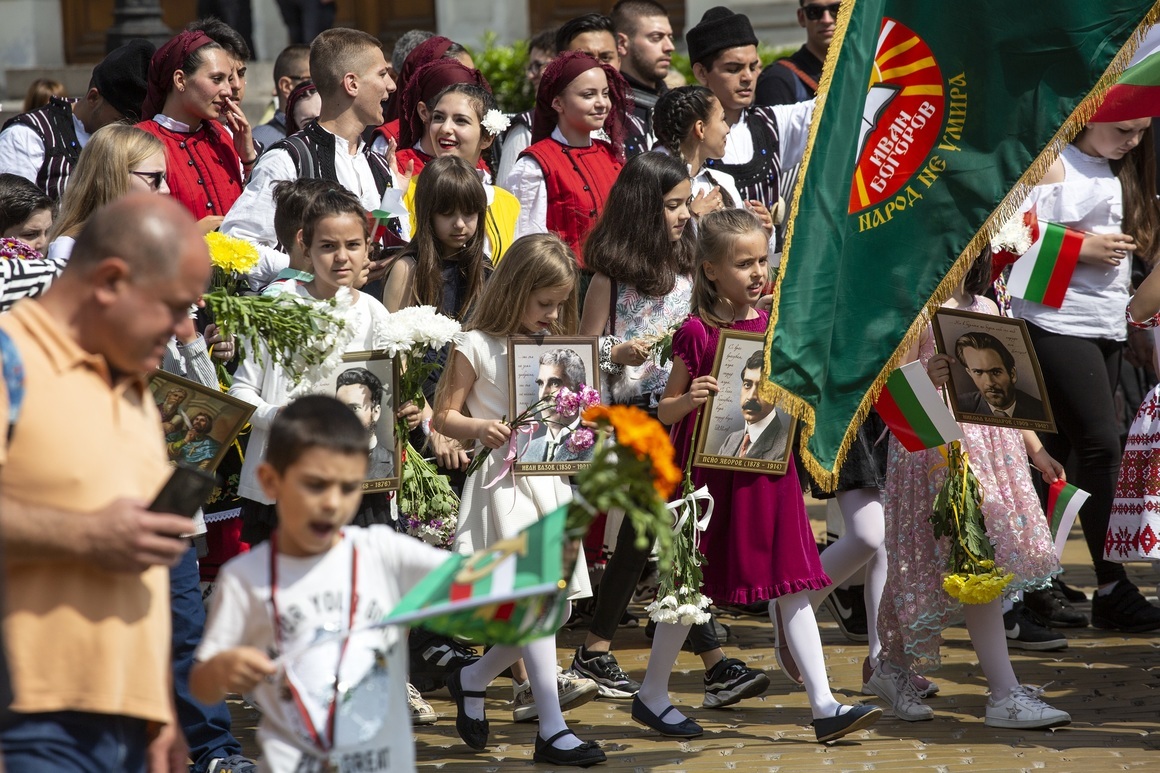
(200, 423)
(739, 430)
(995, 377)
(548, 375)
(368, 383)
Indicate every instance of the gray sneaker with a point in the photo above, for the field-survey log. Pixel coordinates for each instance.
(604, 669)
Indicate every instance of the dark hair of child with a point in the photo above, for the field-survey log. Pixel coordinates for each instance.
(291, 200)
(448, 185)
(630, 242)
(314, 421)
(333, 202)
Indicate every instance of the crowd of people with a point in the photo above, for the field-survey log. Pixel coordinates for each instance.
(618, 208)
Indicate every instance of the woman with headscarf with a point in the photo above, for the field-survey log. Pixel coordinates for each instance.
(430, 50)
(188, 92)
(563, 179)
(451, 112)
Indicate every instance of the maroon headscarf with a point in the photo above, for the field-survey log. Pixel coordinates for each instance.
(564, 69)
(424, 53)
(167, 60)
(426, 84)
(300, 92)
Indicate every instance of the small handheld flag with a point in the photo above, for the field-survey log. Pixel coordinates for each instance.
(1063, 503)
(509, 593)
(1043, 273)
(912, 408)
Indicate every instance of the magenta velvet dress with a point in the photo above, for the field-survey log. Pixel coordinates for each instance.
(759, 544)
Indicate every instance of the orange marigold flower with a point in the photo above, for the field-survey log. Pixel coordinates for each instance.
(645, 437)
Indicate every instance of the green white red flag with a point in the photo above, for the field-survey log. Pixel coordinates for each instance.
(509, 593)
(912, 408)
(1063, 504)
(933, 121)
(1043, 273)
(1137, 92)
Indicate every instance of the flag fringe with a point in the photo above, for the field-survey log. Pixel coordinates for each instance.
(827, 479)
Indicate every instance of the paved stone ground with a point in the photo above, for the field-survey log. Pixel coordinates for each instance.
(1109, 683)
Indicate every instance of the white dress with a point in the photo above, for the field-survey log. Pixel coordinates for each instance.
(489, 515)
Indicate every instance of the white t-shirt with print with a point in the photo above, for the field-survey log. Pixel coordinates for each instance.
(372, 729)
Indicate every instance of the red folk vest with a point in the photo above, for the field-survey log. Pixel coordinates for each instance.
(421, 159)
(578, 181)
(202, 168)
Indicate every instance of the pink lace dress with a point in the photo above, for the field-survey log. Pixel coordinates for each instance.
(915, 609)
(1134, 527)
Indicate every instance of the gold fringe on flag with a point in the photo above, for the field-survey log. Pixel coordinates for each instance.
(798, 407)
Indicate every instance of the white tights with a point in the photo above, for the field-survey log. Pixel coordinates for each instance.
(989, 638)
(863, 543)
(540, 661)
(800, 629)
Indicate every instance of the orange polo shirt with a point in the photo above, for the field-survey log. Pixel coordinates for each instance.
(80, 638)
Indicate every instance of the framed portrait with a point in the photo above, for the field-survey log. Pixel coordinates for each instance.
(995, 377)
(739, 430)
(368, 384)
(200, 423)
(538, 367)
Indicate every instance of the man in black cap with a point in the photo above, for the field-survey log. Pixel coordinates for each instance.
(43, 145)
(723, 50)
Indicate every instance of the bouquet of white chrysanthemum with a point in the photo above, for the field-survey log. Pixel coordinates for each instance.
(426, 501)
(1014, 236)
(306, 339)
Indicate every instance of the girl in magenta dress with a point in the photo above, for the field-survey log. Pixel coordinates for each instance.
(759, 545)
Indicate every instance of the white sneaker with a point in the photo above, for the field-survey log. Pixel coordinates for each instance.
(898, 690)
(1024, 709)
(572, 689)
(421, 711)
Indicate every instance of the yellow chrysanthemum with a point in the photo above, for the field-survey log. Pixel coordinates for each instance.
(977, 588)
(645, 437)
(231, 255)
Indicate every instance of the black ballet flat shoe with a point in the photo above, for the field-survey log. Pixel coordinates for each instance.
(832, 728)
(585, 755)
(473, 731)
(687, 728)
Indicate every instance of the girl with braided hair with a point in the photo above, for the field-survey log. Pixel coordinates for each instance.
(563, 179)
(690, 125)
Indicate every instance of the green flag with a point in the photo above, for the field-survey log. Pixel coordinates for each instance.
(932, 121)
(509, 593)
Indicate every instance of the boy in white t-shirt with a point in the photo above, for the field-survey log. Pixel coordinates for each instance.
(331, 701)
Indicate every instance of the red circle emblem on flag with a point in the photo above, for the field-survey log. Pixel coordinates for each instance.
(901, 118)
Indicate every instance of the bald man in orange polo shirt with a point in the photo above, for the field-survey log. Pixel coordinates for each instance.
(86, 617)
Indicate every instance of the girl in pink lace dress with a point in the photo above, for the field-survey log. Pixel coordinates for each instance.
(915, 609)
(1134, 530)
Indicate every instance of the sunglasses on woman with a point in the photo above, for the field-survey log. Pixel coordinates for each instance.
(153, 179)
(816, 12)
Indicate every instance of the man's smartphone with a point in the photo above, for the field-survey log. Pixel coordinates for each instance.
(186, 490)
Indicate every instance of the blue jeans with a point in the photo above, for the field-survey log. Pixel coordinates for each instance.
(74, 742)
(206, 728)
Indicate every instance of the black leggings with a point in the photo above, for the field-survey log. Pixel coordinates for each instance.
(618, 583)
(1081, 376)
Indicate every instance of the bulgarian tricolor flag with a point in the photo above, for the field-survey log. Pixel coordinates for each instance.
(1063, 503)
(1043, 273)
(912, 408)
(509, 593)
(1137, 92)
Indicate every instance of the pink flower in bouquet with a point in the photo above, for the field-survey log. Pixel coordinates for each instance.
(14, 249)
(569, 404)
(580, 439)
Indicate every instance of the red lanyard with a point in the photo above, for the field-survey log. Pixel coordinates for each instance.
(325, 743)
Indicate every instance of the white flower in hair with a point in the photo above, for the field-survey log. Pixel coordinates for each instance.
(495, 122)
